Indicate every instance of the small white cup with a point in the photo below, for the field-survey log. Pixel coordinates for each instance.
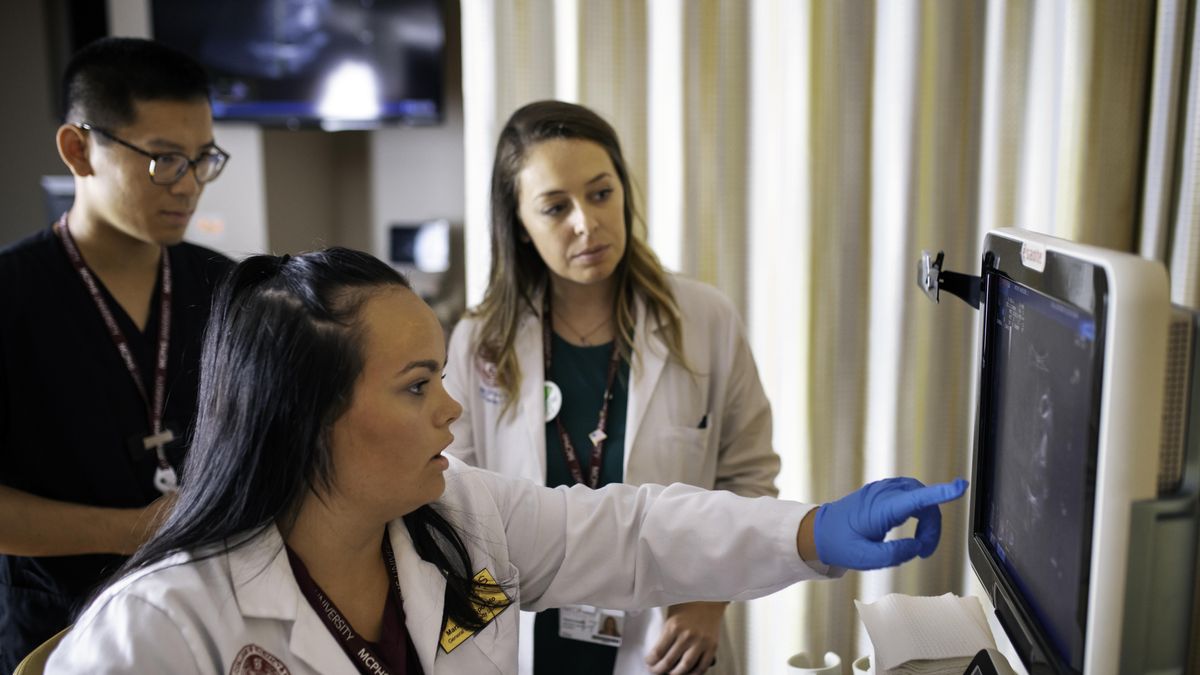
(813, 664)
(862, 666)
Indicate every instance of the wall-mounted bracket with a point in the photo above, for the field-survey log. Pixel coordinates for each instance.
(933, 279)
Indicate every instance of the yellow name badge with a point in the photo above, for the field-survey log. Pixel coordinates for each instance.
(494, 602)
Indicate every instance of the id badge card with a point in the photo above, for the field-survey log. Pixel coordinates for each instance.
(591, 624)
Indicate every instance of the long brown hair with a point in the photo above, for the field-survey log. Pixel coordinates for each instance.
(519, 273)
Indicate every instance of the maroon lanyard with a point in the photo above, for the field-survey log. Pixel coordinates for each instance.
(598, 435)
(154, 412)
(355, 645)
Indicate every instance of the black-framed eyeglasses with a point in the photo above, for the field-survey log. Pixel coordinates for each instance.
(166, 168)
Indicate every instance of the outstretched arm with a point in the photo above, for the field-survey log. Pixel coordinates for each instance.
(662, 557)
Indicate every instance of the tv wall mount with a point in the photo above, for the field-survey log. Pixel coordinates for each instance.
(933, 280)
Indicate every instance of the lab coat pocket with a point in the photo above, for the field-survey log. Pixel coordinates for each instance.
(682, 455)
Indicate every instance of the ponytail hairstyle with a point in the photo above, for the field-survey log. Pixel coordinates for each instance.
(282, 352)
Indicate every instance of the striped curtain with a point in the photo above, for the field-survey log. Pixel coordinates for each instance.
(799, 155)
(1170, 204)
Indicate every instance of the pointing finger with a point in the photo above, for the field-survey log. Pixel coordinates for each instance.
(933, 495)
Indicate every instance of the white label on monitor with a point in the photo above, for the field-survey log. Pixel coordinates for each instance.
(1033, 256)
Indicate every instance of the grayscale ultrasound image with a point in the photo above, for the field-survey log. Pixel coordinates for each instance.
(1039, 452)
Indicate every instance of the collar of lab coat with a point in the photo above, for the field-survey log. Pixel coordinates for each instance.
(650, 356)
(265, 588)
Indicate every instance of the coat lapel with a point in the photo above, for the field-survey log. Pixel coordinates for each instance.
(265, 588)
(532, 412)
(650, 356)
(312, 642)
(424, 590)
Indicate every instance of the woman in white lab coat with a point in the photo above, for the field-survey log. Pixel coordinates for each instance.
(573, 284)
(320, 530)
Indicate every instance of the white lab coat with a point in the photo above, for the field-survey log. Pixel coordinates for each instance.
(620, 547)
(709, 427)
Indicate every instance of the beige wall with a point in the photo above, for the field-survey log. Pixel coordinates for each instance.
(27, 122)
(317, 190)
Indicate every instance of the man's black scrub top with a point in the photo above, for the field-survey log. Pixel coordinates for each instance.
(71, 415)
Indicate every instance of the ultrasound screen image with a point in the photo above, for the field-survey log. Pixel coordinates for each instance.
(1039, 453)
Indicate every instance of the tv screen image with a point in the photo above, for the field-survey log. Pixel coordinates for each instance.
(1043, 443)
(1084, 514)
(332, 63)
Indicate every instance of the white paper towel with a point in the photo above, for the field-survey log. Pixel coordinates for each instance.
(917, 634)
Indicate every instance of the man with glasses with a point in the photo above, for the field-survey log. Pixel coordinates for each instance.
(103, 315)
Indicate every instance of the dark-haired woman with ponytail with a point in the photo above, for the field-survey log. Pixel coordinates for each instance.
(319, 529)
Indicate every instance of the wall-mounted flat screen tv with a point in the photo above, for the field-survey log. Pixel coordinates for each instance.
(305, 63)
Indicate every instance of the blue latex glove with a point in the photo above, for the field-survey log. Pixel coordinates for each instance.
(849, 532)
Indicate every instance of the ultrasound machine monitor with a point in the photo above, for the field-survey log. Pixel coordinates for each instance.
(1082, 523)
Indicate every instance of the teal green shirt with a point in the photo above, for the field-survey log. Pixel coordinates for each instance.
(580, 372)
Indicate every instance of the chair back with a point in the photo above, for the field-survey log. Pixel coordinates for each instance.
(35, 662)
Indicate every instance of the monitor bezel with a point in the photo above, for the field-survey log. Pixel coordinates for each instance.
(1083, 285)
(1135, 328)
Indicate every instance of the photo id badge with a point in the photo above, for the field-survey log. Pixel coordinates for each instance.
(591, 624)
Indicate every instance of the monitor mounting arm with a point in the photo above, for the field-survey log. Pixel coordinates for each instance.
(933, 279)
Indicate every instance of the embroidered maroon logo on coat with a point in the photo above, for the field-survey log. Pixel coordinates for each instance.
(489, 392)
(487, 371)
(254, 660)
